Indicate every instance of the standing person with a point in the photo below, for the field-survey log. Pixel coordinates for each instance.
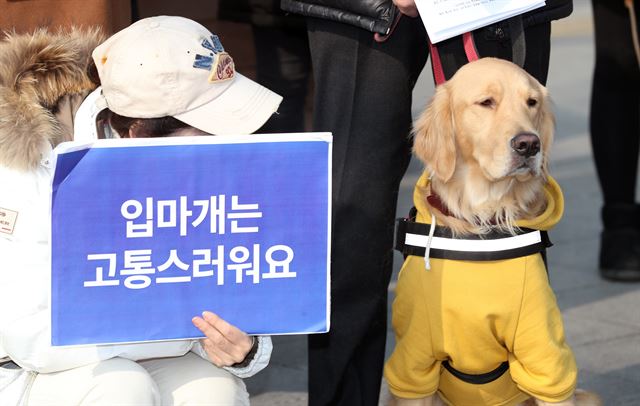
(162, 76)
(615, 135)
(363, 96)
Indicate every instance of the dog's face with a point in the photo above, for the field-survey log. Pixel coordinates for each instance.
(485, 139)
(491, 117)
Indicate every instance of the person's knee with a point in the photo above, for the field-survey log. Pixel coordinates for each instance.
(122, 382)
(191, 380)
(219, 389)
(114, 382)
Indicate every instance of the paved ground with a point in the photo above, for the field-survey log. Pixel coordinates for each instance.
(602, 319)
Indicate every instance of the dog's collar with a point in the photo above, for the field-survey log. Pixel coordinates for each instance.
(436, 202)
(411, 239)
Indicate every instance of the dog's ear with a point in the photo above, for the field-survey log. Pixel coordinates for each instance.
(546, 124)
(434, 141)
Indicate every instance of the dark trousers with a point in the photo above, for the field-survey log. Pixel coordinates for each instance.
(283, 64)
(615, 103)
(363, 96)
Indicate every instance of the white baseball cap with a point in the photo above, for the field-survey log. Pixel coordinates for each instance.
(173, 66)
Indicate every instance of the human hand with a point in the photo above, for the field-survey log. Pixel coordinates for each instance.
(407, 7)
(225, 344)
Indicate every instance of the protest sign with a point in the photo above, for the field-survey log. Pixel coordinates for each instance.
(147, 233)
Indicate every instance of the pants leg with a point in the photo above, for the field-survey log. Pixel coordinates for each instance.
(283, 64)
(186, 380)
(110, 383)
(191, 380)
(363, 96)
(615, 103)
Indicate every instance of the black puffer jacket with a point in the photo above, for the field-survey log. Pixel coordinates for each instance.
(373, 15)
(378, 15)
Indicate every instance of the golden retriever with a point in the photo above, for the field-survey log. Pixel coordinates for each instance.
(485, 139)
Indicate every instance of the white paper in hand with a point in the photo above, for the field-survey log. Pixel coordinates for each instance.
(444, 19)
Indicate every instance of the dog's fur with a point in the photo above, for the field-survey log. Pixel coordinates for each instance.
(464, 138)
(37, 70)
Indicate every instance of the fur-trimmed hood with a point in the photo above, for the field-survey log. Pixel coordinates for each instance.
(37, 71)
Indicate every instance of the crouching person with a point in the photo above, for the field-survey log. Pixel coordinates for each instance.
(162, 76)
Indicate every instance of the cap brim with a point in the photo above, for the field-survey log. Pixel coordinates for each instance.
(241, 109)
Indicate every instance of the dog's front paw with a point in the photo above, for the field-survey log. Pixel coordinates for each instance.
(584, 398)
(580, 398)
(433, 400)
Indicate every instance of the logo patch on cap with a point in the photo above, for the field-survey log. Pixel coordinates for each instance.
(7, 220)
(223, 69)
(218, 62)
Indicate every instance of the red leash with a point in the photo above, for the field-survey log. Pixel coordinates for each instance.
(469, 49)
(438, 71)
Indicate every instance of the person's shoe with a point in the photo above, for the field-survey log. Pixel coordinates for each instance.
(620, 255)
(620, 242)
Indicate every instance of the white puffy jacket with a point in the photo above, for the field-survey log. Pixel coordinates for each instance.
(28, 130)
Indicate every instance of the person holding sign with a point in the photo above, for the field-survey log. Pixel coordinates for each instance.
(187, 85)
(366, 61)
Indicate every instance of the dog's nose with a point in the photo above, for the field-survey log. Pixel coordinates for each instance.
(526, 144)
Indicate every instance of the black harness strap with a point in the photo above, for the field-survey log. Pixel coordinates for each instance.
(407, 227)
(480, 379)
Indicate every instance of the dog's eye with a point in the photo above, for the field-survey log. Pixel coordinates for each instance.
(531, 102)
(488, 102)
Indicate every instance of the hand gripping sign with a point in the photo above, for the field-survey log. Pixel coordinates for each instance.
(147, 233)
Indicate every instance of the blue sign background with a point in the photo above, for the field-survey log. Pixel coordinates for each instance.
(290, 182)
